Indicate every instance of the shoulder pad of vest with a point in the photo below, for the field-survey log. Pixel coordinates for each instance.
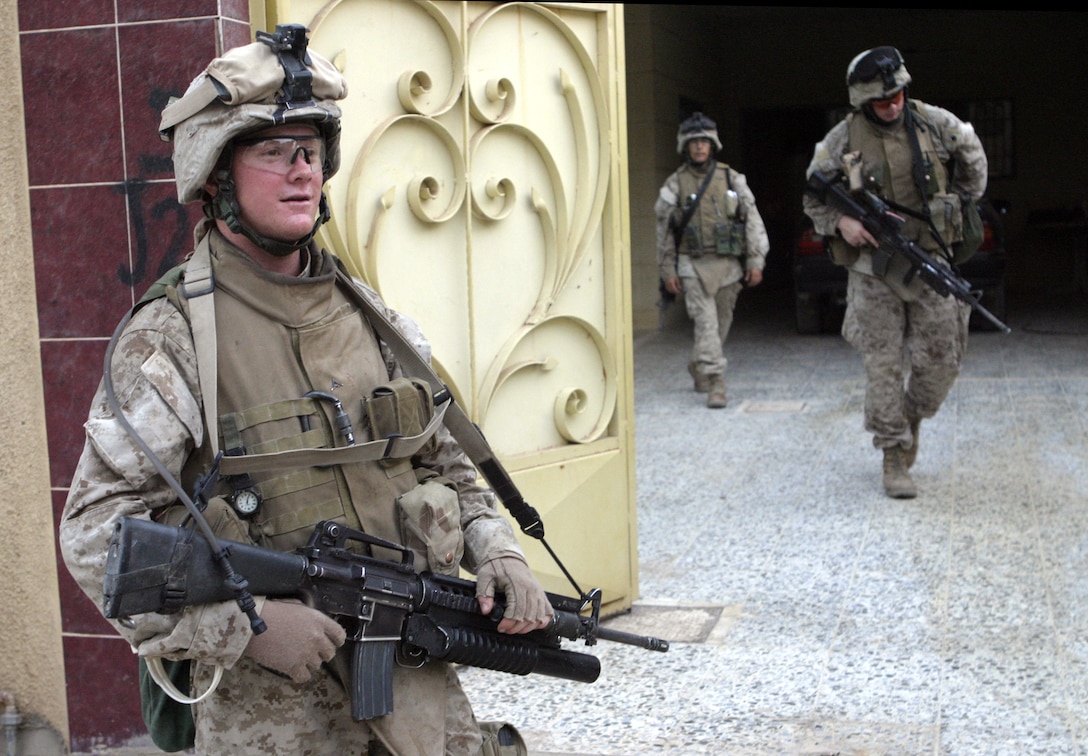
(158, 290)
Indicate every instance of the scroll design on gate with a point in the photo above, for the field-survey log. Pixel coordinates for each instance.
(472, 157)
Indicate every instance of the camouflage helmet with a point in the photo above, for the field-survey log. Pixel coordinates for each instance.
(271, 82)
(693, 127)
(875, 74)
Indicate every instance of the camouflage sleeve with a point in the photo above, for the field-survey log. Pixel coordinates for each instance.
(958, 140)
(754, 230)
(826, 160)
(155, 383)
(668, 199)
(487, 532)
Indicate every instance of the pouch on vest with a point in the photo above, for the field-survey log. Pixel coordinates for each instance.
(402, 407)
(973, 232)
(430, 522)
(730, 238)
(692, 241)
(946, 213)
(842, 253)
(502, 739)
(872, 178)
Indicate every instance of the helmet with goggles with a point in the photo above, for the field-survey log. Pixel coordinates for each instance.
(697, 126)
(274, 81)
(876, 74)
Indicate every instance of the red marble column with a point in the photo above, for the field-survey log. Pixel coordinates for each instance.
(105, 224)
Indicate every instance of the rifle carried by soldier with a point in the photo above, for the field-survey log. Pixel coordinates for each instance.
(392, 614)
(884, 226)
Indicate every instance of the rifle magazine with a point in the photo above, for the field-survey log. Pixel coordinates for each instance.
(372, 679)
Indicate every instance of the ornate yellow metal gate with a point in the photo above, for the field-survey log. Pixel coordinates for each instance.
(483, 190)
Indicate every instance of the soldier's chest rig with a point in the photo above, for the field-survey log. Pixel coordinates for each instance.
(903, 165)
(302, 420)
(715, 216)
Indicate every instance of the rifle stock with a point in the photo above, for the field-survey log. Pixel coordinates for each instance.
(392, 614)
(883, 225)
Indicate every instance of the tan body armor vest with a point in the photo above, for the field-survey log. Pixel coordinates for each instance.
(712, 222)
(276, 342)
(887, 171)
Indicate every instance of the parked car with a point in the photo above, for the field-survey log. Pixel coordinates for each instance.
(819, 286)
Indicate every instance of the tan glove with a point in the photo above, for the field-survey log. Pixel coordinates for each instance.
(297, 641)
(527, 607)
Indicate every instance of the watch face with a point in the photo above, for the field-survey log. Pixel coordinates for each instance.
(246, 501)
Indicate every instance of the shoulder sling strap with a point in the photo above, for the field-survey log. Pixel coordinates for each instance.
(918, 174)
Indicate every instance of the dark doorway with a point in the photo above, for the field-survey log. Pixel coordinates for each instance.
(776, 147)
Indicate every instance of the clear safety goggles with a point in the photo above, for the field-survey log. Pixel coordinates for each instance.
(279, 154)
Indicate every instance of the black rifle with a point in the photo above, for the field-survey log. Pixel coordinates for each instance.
(391, 613)
(883, 225)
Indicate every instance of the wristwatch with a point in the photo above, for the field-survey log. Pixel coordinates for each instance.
(245, 501)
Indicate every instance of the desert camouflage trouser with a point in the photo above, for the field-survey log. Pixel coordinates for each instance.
(254, 711)
(912, 353)
(713, 317)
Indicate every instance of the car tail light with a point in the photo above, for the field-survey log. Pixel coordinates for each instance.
(988, 244)
(811, 244)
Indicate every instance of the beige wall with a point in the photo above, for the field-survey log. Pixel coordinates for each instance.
(31, 657)
(644, 122)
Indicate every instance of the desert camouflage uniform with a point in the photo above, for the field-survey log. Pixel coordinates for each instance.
(883, 316)
(712, 282)
(155, 377)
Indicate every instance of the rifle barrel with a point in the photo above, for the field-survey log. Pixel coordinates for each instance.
(642, 641)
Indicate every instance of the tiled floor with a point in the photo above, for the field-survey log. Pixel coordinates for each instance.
(811, 614)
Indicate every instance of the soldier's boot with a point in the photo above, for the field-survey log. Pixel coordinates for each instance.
(715, 397)
(897, 482)
(911, 454)
(702, 382)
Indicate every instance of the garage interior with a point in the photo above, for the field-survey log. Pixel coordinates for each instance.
(773, 78)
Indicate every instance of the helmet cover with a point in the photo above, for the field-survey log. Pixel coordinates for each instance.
(876, 74)
(697, 126)
(247, 89)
